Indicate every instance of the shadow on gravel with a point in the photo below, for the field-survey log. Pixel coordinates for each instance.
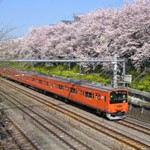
(138, 113)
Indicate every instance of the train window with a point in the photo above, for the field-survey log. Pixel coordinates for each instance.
(98, 97)
(40, 81)
(60, 87)
(33, 79)
(105, 98)
(118, 97)
(66, 88)
(80, 92)
(54, 85)
(72, 90)
(18, 77)
(27, 78)
(46, 82)
(51, 85)
(88, 94)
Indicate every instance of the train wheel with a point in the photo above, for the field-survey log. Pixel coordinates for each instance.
(66, 101)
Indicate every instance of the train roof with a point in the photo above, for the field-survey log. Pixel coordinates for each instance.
(91, 85)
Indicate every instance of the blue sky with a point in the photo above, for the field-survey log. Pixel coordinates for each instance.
(23, 14)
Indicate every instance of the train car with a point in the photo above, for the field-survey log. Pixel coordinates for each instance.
(113, 103)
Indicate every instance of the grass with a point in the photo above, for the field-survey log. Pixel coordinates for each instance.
(142, 84)
(73, 73)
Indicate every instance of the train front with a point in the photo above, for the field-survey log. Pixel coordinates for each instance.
(118, 104)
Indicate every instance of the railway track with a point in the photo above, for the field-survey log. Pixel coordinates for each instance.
(128, 141)
(135, 126)
(70, 141)
(18, 137)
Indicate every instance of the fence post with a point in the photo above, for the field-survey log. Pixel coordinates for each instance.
(142, 110)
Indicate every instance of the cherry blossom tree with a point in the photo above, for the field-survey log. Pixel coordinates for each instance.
(6, 42)
(99, 34)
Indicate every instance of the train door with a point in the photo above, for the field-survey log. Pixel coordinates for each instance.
(72, 93)
(101, 102)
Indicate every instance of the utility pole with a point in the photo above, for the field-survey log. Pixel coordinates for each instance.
(124, 73)
(115, 67)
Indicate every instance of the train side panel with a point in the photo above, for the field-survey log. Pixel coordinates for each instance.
(92, 98)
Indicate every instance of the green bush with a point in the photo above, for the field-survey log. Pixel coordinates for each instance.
(142, 84)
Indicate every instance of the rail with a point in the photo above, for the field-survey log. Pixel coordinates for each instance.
(97, 126)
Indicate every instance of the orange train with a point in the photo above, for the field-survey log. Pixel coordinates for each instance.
(113, 103)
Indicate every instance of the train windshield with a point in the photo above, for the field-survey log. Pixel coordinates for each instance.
(118, 97)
